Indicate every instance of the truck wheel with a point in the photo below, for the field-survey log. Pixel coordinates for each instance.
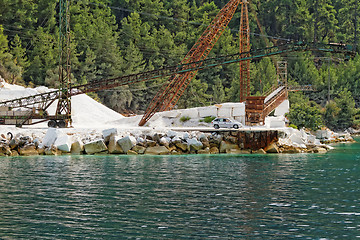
(236, 126)
(61, 124)
(52, 124)
(216, 126)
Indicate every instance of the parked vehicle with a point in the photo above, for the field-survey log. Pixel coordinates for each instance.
(225, 123)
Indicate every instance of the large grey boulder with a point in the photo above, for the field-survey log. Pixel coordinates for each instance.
(194, 144)
(50, 137)
(127, 143)
(95, 147)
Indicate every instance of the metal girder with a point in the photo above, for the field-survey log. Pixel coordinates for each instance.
(244, 48)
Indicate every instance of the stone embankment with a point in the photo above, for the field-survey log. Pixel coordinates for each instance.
(56, 142)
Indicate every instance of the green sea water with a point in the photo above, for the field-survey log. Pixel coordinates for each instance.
(301, 196)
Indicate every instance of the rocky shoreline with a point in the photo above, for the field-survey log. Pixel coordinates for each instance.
(57, 142)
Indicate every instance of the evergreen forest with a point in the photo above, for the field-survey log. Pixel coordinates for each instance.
(111, 38)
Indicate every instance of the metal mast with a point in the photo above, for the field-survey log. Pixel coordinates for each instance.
(244, 48)
(63, 110)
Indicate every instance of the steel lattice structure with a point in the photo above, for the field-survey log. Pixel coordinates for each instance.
(63, 110)
(169, 94)
(244, 48)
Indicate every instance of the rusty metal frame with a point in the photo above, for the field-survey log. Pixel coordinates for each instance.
(244, 37)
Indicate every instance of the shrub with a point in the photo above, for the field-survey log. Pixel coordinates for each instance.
(184, 118)
(208, 119)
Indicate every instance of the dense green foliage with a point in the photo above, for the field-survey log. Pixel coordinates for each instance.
(119, 37)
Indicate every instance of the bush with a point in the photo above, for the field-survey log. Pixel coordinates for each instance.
(208, 119)
(184, 118)
(293, 126)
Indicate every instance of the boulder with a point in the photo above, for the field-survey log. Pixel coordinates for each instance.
(205, 143)
(14, 153)
(107, 133)
(226, 145)
(52, 151)
(214, 150)
(183, 146)
(272, 148)
(13, 143)
(204, 151)
(131, 152)
(139, 149)
(113, 146)
(150, 143)
(77, 147)
(95, 147)
(231, 139)
(5, 150)
(172, 147)
(165, 141)
(127, 143)
(319, 150)
(41, 150)
(175, 152)
(171, 134)
(50, 137)
(290, 149)
(157, 150)
(194, 144)
(63, 143)
(28, 150)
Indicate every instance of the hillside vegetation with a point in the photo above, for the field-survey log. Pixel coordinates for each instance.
(119, 37)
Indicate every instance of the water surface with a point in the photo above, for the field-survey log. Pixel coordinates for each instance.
(302, 196)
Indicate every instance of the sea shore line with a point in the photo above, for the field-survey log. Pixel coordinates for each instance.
(54, 141)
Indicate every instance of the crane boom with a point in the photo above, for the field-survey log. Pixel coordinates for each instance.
(167, 97)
